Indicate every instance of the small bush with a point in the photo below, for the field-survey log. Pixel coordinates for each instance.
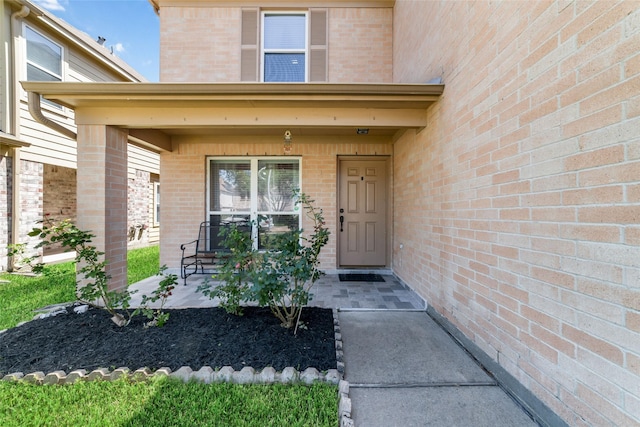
(281, 277)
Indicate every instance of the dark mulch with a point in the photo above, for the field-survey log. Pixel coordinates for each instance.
(192, 337)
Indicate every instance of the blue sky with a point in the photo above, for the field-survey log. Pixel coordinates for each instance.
(130, 27)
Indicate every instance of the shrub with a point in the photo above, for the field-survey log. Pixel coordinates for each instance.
(94, 289)
(280, 277)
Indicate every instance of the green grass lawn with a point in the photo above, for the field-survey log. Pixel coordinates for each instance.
(23, 294)
(160, 402)
(167, 402)
(142, 263)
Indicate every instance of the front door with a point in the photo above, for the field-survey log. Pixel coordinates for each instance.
(362, 213)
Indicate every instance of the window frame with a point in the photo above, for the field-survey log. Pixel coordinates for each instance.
(254, 212)
(156, 204)
(28, 62)
(305, 51)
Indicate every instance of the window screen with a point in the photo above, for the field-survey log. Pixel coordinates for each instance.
(44, 60)
(284, 47)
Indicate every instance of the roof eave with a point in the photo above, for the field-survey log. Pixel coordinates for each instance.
(74, 95)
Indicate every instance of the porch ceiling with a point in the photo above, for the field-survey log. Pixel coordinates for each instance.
(244, 108)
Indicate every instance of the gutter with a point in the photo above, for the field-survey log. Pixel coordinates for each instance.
(35, 108)
(17, 55)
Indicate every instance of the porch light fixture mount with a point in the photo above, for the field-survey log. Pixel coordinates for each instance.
(288, 139)
(362, 131)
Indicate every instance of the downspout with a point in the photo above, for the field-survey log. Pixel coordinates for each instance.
(35, 108)
(15, 69)
(15, 129)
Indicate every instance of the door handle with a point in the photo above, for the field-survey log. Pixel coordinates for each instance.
(341, 222)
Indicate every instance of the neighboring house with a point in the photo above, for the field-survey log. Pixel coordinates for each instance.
(38, 164)
(510, 200)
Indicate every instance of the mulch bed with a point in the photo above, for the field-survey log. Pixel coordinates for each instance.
(193, 337)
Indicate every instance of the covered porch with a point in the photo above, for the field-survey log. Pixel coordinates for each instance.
(189, 123)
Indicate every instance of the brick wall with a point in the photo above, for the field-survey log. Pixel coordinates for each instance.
(6, 167)
(202, 44)
(102, 195)
(199, 44)
(58, 197)
(360, 45)
(138, 209)
(31, 202)
(183, 197)
(524, 228)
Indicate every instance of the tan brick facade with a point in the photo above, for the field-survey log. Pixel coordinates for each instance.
(523, 232)
(183, 197)
(199, 44)
(360, 45)
(516, 209)
(102, 195)
(202, 44)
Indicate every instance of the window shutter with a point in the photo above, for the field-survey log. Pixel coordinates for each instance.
(318, 45)
(249, 49)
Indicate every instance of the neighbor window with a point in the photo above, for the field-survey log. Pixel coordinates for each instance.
(44, 59)
(284, 47)
(255, 195)
(156, 204)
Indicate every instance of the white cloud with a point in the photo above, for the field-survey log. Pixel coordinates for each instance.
(118, 47)
(50, 4)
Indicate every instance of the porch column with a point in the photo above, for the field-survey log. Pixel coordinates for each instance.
(102, 195)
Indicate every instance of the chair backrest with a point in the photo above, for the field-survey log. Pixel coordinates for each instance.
(209, 239)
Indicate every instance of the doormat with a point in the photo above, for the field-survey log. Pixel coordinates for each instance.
(361, 278)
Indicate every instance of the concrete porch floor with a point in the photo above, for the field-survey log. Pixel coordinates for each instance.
(328, 292)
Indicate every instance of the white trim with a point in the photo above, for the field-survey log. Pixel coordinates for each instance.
(263, 51)
(253, 210)
(156, 203)
(55, 107)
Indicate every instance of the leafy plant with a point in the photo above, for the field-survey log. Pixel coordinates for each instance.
(292, 268)
(280, 277)
(18, 251)
(92, 267)
(235, 271)
(156, 316)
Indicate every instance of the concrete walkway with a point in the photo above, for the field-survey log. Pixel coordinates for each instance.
(402, 367)
(405, 370)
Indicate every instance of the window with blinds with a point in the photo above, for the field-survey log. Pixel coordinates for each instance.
(255, 195)
(284, 46)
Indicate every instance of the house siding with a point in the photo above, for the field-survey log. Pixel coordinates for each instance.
(521, 198)
(47, 175)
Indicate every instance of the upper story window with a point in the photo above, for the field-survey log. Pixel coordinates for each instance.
(44, 59)
(284, 47)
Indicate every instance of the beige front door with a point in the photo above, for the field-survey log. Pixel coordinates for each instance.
(362, 213)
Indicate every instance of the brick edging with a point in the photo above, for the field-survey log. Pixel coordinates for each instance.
(208, 375)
